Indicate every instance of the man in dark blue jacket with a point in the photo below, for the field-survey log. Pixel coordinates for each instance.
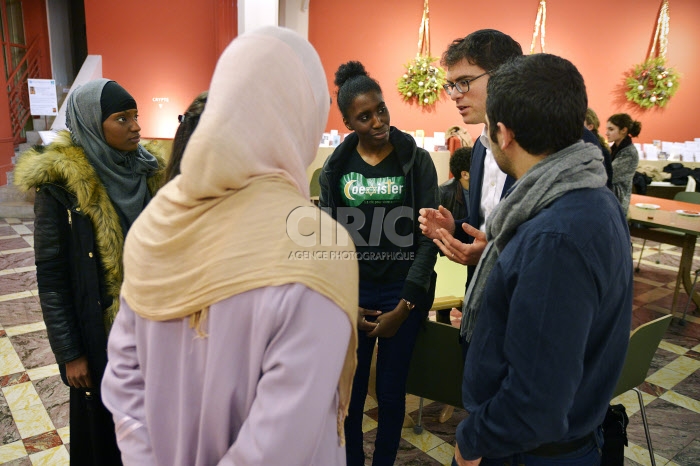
(553, 291)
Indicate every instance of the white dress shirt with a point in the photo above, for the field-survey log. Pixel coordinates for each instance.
(492, 184)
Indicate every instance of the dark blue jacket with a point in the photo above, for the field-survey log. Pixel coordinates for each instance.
(553, 330)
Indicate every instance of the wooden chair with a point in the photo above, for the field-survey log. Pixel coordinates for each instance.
(644, 341)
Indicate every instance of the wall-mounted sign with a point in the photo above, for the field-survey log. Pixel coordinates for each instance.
(42, 97)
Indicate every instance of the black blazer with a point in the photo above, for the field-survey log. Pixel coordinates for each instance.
(476, 179)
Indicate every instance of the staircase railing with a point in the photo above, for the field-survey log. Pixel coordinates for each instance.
(18, 94)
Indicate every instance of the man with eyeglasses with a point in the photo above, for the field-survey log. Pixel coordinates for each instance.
(469, 63)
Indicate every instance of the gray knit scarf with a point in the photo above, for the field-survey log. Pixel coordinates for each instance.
(122, 173)
(575, 167)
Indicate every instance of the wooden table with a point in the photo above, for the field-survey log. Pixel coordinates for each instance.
(681, 231)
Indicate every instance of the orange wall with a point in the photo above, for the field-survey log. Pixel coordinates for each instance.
(155, 49)
(168, 48)
(604, 40)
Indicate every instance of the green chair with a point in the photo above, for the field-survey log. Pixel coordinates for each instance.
(436, 367)
(687, 196)
(644, 341)
(437, 364)
(314, 186)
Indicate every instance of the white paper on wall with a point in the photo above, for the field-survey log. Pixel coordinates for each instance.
(439, 138)
(651, 152)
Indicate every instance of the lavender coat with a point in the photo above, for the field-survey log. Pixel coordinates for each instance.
(261, 388)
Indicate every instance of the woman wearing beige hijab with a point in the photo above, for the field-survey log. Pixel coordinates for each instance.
(234, 343)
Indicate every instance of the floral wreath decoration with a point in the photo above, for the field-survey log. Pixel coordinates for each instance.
(652, 83)
(422, 82)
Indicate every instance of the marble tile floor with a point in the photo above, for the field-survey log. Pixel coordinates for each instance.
(34, 403)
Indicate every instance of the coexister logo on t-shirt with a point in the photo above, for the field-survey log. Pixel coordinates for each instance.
(356, 189)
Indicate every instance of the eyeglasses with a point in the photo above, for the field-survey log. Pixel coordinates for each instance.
(181, 118)
(462, 85)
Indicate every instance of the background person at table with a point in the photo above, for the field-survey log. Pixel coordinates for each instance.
(455, 191)
(457, 137)
(225, 350)
(592, 123)
(397, 281)
(620, 130)
(554, 284)
(188, 122)
(91, 184)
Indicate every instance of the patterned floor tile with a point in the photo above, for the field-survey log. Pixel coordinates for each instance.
(54, 393)
(33, 349)
(21, 229)
(42, 442)
(19, 259)
(661, 358)
(57, 456)
(64, 433)
(8, 428)
(17, 282)
(20, 312)
(9, 360)
(13, 379)
(13, 243)
(7, 230)
(690, 386)
(32, 421)
(672, 427)
(42, 372)
(21, 396)
(681, 400)
(443, 453)
(25, 328)
(690, 455)
(12, 451)
(693, 354)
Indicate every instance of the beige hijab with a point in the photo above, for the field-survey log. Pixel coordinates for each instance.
(220, 228)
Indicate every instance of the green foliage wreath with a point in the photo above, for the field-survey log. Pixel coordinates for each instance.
(422, 82)
(652, 84)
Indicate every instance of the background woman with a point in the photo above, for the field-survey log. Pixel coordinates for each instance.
(625, 159)
(375, 182)
(457, 137)
(188, 122)
(91, 184)
(592, 123)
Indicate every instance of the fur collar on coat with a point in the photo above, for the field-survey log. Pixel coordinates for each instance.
(65, 164)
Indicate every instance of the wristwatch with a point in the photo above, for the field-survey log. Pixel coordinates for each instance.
(409, 304)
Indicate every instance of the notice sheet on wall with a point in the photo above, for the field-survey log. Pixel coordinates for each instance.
(42, 97)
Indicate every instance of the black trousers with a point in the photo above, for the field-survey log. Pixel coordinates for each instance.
(92, 438)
